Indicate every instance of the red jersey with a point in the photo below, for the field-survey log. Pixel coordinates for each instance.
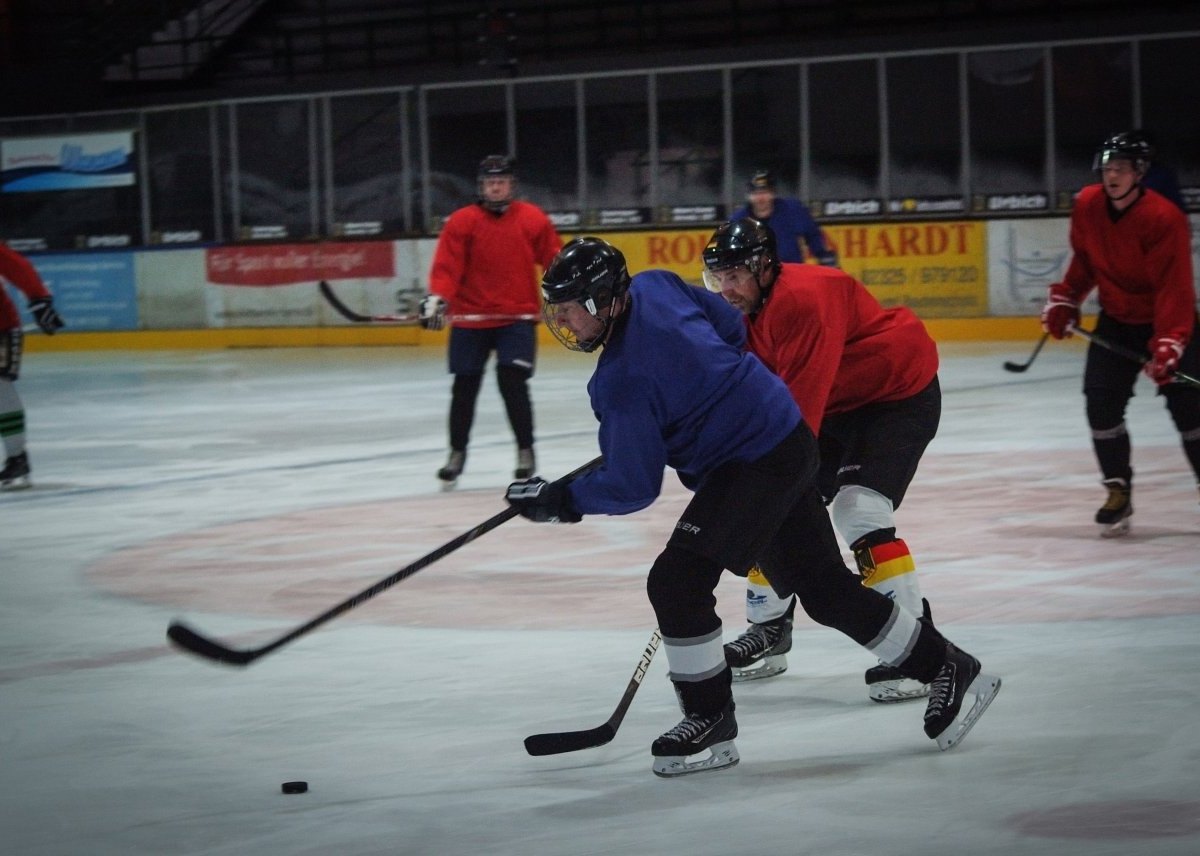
(835, 346)
(484, 262)
(1142, 263)
(16, 269)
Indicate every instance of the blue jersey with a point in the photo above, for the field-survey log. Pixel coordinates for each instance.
(791, 221)
(675, 388)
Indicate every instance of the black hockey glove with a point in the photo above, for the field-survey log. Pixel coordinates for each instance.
(542, 502)
(45, 315)
(433, 312)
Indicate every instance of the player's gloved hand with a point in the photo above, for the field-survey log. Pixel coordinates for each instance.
(1059, 315)
(45, 315)
(1164, 359)
(542, 502)
(432, 313)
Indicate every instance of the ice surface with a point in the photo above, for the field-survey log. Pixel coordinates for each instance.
(248, 491)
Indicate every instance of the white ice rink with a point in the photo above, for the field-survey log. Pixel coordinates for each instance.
(248, 491)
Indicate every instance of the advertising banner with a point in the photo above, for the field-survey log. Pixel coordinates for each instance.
(935, 269)
(1024, 258)
(76, 162)
(92, 292)
(274, 285)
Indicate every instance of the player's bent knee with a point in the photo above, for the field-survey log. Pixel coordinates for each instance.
(857, 511)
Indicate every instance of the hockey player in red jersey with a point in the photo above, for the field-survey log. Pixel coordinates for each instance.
(1134, 247)
(16, 270)
(865, 378)
(486, 263)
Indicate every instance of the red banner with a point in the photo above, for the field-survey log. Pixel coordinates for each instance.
(288, 264)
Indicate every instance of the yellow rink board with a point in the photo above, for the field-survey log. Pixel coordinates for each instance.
(942, 329)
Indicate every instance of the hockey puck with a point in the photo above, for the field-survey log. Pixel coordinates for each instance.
(295, 787)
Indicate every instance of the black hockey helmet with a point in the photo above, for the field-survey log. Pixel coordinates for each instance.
(745, 242)
(762, 179)
(497, 165)
(1133, 146)
(589, 271)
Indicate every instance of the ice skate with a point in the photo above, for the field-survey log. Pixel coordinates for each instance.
(15, 475)
(1116, 514)
(525, 464)
(693, 735)
(454, 466)
(885, 684)
(759, 652)
(958, 696)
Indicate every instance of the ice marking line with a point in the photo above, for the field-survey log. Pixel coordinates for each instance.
(77, 664)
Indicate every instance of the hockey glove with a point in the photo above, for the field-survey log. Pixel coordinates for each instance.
(1059, 315)
(432, 314)
(45, 315)
(1164, 359)
(542, 502)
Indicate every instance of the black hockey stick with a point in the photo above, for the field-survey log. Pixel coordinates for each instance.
(1020, 367)
(556, 743)
(202, 646)
(1122, 351)
(350, 315)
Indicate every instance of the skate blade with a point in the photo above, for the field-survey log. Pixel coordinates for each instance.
(984, 689)
(723, 755)
(772, 665)
(1115, 530)
(19, 483)
(889, 692)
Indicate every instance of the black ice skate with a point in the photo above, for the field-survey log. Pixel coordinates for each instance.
(525, 464)
(886, 684)
(453, 469)
(695, 734)
(759, 652)
(958, 696)
(1115, 515)
(15, 475)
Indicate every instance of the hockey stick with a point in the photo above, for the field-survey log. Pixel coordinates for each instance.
(1131, 355)
(1020, 367)
(555, 743)
(202, 646)
(349, 314)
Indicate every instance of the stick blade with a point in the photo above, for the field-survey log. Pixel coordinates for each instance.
(187, 639)
(1015, 367)
(560, 742)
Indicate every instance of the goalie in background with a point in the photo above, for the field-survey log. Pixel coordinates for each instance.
(865, 379)
(486, 263)
(1133, 246)
(16, 270)
(675, 387)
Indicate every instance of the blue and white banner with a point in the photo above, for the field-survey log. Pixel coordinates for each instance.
(74, 162)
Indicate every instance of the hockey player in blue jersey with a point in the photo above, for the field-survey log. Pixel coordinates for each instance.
(674, 387)
(788, 219)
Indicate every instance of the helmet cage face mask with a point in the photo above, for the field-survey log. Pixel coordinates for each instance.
(589, 272)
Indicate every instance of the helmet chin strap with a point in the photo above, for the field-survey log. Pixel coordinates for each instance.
(1137, 185)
